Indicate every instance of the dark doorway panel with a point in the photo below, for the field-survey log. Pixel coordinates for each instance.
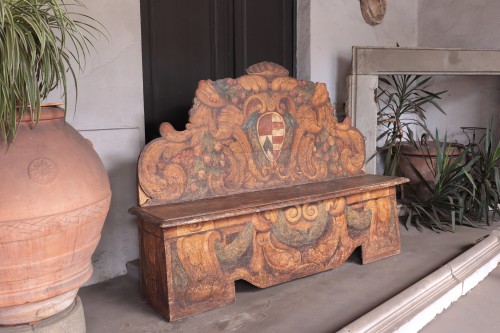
(264, 31)
(185, 41)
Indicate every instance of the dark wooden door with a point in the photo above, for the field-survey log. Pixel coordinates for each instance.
(185, 41)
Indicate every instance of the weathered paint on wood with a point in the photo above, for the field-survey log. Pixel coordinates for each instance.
(264, 185)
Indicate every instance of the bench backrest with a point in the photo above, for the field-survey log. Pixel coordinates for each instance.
(259, 131)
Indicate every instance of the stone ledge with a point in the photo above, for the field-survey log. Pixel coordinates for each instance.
(415, 307)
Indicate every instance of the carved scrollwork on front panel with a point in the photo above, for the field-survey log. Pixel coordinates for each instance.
(275, 246)
(359, 219)
(275, 232)
(196, 271)
(231, 253)
(261, 130)
(385, 231)
(294, 236)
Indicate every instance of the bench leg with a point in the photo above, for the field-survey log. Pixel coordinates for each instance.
(383, 240)
(179, 277)
(195, 280)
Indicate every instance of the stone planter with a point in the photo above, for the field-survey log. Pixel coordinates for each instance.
(54, 197)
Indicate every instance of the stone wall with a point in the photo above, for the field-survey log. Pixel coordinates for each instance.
(473, 100)
(337, 25)
(110, 112)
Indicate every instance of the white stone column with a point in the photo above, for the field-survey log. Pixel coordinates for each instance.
(361, 90)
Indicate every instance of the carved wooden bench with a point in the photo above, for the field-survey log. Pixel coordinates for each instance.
(264, 185)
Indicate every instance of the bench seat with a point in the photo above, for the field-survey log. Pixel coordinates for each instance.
(189, 212)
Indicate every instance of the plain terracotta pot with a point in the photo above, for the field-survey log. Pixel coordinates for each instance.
(425, 162)
(54, 197)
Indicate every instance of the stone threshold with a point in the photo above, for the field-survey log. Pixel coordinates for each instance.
(415, 307)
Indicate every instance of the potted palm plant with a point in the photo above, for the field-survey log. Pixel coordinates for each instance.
(485, 174)
(464, 188)
(54, 193)
(439, 199)
(402, 101)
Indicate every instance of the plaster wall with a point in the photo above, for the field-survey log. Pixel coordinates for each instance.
(337, 25)
(304, 39)
(470, 100)
(110, 113)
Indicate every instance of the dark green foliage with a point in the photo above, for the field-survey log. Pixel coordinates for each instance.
(465, 190)
(401, 100)
(486, 175)
(444, 207)
(42, 43)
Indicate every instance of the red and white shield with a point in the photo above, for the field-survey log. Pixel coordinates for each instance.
(271, 130)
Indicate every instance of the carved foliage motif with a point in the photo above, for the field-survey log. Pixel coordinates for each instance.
(279, 245)
(261, 130)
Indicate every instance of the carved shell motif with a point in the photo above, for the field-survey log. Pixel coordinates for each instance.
(262, 130)
(373, 10)
(267, 69)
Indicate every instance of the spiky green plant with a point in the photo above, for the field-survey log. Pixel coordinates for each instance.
(445, 207)
(486, 175)
(402, 102)
(43, 43)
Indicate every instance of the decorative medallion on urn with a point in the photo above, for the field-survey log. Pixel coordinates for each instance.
(373, 10)
(42, 170)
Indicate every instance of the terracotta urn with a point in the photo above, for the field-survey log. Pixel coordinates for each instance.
(54, 197)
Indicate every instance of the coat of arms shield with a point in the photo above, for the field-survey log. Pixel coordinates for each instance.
(271, 130)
